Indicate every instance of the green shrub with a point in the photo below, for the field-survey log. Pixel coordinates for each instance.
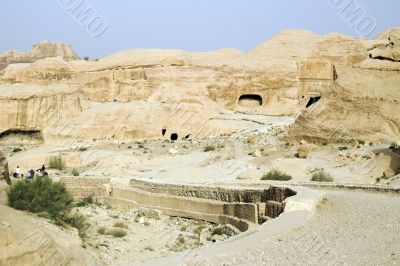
(217, 231)
(141, 146)
(276, 175)
(361, 142)
(75, 172)
(321, 176)
(82, 149)
(56, 162)
(343, 148)
(209, 148)
(85, 202)
(17, 150)
(41, 195)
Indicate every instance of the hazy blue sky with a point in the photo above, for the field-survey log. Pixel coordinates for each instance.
(183, 24)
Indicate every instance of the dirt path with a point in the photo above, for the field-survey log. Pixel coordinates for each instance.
(350, 228)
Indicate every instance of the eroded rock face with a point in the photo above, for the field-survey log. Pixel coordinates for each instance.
(39, 51)
(25, 242)
(137, 93)
(363, 103)
(4, 174)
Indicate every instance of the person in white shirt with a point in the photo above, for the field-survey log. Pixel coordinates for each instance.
(18, 172)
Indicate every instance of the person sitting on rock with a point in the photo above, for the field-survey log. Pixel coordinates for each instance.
(31, 174)
(42, 169)
(39, 173)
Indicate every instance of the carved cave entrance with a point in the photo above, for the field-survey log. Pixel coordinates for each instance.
(313, 100)
(250, 100)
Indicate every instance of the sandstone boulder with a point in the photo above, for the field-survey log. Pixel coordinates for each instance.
(389, 173)
(304, 150)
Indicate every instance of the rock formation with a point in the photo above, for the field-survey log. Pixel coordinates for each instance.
(4, 174)
(39, 51)
(136, 94)
(24, 241)
(363, 102)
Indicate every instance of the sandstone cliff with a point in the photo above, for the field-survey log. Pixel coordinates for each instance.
(364, 103)
(136, 93)
(39, 51)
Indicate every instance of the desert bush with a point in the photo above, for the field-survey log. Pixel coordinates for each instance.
(276, 175)
(209, 148)
(82, 149)
(15, 150)
(181, 240)
(217, 231)
(198, 229)
(321, 176)
(48, 199)
(149, 248)
(78, 221)
(121, 225)
(84, 202)
(343, 148)
(41, 195)
(117, 232)
(75, 172)
(56, 162)
(101, 230)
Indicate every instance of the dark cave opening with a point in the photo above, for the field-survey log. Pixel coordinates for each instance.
(313, 100)
(250, 100)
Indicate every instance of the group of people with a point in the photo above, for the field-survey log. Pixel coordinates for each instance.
(31, 173)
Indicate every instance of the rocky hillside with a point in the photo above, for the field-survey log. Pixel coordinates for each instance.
(135, 94)
(39, 51)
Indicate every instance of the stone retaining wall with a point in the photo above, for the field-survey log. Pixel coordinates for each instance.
(88, 187)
